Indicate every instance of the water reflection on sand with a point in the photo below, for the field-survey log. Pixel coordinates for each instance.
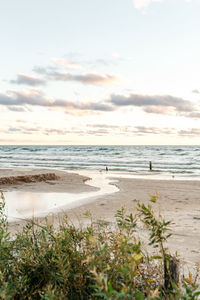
(28, 204)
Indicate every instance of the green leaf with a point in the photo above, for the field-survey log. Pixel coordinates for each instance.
(157, 257)
(139, 296)
(110, 288)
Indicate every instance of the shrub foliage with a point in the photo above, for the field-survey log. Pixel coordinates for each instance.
(99, 261)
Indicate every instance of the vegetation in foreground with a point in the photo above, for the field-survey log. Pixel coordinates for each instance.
(94, 262)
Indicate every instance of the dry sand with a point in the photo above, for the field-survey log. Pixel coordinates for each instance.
(67, 182)
(179, 202)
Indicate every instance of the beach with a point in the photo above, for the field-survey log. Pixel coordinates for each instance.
(178, 202)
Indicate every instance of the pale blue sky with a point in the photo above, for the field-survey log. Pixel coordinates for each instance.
(64, 63)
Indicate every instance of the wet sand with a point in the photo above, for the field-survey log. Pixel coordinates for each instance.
(179, 201)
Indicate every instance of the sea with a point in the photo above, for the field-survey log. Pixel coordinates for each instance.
(172, 160)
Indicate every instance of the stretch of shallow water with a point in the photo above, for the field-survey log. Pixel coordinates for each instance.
(132, 159)
(21, 205)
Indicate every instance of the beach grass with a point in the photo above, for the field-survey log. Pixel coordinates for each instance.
(97, 261)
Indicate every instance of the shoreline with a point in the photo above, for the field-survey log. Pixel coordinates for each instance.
(35, 199)
(178, 201)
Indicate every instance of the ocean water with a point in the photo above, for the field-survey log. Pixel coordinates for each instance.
(129, 159)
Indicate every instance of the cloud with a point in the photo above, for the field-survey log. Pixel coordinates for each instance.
(28, 80)
(42, 70)
(14, 129)
(35, 130)
(16, 109)
(99, 129)
(30, 97)
(50, 131)
(34, 97)
(94, 106)
(95, 79)
(193, 115)
(62, 62)
(104, 126)
(23, 130)
(196, 91)
(102, 130)
(142, 130)
(153, 104)
(87, 78)
(156, 110)
(165, 104)
(21, 121)
(189, 132)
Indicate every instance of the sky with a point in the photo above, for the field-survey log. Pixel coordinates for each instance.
(92, 72)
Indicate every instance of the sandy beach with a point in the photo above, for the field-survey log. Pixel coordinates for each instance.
(179, 202)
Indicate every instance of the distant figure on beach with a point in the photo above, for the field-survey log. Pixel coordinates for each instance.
(106, 169)
(150, 166)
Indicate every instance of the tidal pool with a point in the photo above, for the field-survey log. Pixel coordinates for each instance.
(21, 205)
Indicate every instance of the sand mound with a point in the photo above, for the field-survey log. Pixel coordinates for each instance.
(28, 178)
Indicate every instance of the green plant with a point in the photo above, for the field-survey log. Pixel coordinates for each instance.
(99, 261)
